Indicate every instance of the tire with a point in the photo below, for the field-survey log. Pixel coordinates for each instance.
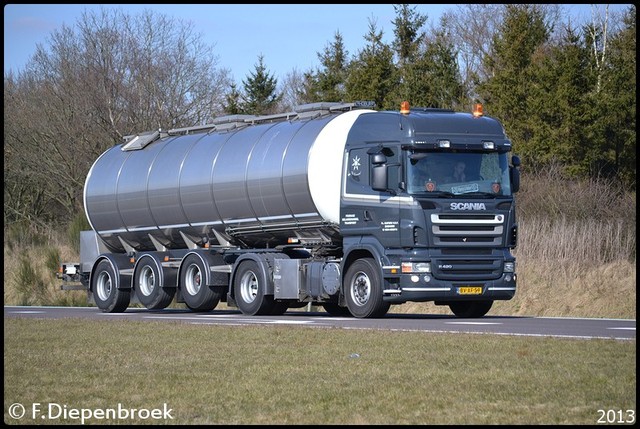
(107, 296)
(146, 283)
(249, 286)
(470, 309)
(363, 290)
(197, 295)
(279, 308)
(336, 310)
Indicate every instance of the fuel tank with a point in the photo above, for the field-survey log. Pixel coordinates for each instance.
(256, 185)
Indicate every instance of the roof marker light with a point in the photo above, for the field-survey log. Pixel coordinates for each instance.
(404, 107)
(477, 110)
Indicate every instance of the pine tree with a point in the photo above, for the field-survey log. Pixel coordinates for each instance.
(613, 129)
(558, 108)
(330, 80)
(621, 87)
(434, 76)
(260, 97)
(408, 36)
(506, 93)
(232, 101)
(372, 74)
(408, 33)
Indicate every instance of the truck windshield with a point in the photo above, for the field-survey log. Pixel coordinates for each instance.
(458, 173)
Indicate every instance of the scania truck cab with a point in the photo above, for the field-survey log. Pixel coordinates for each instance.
(433, 235)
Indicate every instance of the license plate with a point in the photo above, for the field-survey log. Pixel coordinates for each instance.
(470, 290)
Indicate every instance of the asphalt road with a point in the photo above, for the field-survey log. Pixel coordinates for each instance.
(578, 328)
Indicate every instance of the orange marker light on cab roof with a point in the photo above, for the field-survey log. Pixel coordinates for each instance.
(477, 110)
(404, 107)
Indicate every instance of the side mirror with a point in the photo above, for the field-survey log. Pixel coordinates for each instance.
(379, 176)
(379, 179)
(378, 159)
(514, 174)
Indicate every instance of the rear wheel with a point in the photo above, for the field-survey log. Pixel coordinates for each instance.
(197, 295)
(147, 285)
(470, 309)
(249, 289)
(336, 310)
(106, 294)
(279, 308)
(363, 290)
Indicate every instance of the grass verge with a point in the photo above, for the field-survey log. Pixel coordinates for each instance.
(295, 375)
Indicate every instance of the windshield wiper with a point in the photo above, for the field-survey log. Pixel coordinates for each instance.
(477, 194)
(436, 194)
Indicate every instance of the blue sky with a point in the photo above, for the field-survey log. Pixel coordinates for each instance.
(288, 36)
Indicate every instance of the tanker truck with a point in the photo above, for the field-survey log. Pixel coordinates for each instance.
(335, 205)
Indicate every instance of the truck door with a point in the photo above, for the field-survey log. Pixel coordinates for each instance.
(365, 212)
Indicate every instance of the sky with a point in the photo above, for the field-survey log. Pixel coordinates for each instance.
(288, 36)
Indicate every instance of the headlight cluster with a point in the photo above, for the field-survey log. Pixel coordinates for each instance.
(416, 267)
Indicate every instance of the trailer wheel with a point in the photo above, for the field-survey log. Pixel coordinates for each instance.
(470, 309)
(197, 295)
(107, 296)
(249, 288)
(146, 283)
(363, 290)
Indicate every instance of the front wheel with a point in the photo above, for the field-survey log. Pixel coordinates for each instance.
(108, 297)
(470, 309)
(363, 290)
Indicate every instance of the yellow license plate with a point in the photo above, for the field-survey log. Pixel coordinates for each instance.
(470, 290)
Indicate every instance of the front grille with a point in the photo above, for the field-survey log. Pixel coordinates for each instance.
(462, 236)
(468, 229)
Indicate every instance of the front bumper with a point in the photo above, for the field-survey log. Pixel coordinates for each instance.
(421, 287)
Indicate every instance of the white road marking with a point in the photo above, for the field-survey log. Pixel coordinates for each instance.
(473, 323)
(235, 320)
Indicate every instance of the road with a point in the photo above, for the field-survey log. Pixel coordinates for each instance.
(560, 327)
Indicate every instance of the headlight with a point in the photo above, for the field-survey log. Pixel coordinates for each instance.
(509, 267)
(416, 267)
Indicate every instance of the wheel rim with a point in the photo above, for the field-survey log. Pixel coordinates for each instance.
(147, 281)
(104, 285)
(360, 288)
(249, 287)
(193, 280)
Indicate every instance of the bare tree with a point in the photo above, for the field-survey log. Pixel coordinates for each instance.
(292, 90)
(598, 32)
(109, 76)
